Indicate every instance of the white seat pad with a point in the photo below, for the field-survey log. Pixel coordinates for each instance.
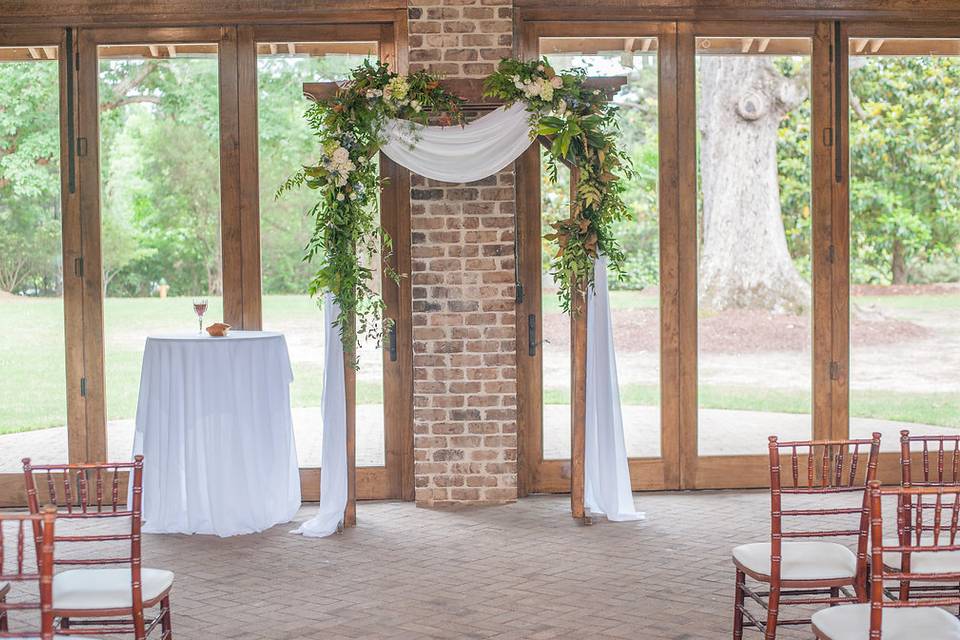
(801, 560)
(105, 588)
(852, 622)
(925, 561)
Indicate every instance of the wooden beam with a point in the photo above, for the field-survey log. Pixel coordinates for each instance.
(747, 43)
(172, 50)
(291, 48)
(647, 43)
(764, 43)
(50, 52)
(154, 51)
(876, 44)
(34, 53)
(470, 89)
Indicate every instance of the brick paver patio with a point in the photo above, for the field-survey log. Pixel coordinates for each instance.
(525, 570)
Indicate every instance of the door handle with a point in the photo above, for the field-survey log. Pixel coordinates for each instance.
(392, 336)
(532, 334)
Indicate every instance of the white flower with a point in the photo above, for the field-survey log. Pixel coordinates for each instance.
(353, 195)
(556, 82)
(340, 156)
(539, 67)
(561, 107)
(415, 104)
(340, 197)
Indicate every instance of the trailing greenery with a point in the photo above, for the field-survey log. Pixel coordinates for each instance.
(584, 130)
(347, 238)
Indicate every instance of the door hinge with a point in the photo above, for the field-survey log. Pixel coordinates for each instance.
(81, 147)
(834, 370)
(519, 292)
(828, 137)
(83, 387)
(78, 267)
(531, 334)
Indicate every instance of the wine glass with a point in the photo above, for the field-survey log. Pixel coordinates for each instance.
(200, 308)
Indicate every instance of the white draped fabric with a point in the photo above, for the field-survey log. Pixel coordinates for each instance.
(214, 426)
(333, 459)
(460, 154)
(607, 474)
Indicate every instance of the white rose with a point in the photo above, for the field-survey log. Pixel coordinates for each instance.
(340, 197)
(340, 155)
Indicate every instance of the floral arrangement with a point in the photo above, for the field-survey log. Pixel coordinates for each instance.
(346, 238)
(583, 129)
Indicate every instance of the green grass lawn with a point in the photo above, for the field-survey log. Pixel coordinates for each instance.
(939, 409)
(32, 385)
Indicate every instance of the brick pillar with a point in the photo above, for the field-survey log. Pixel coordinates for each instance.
(465, 429)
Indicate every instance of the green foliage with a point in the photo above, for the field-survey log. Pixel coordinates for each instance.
(584, 130)
(905, 166)
(347, 237)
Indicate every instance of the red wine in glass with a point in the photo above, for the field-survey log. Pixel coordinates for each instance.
(200, 308)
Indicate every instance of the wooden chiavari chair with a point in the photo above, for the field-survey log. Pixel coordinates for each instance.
(931, 509)
(88, 492)
(18, 572)
(812, 571)
(943, 452)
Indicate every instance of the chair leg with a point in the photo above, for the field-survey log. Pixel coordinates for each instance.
(834, 594)
(3, 616)
(166, 623)
(737, 604)
(773, 610)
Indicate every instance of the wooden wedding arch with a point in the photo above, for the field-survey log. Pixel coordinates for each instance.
(470, 90)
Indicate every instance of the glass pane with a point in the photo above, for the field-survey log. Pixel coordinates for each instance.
(285, 142)
(555, 341)
(634, 301)
(904, 237)
(160, 203)
(31, 265)
(753, 116)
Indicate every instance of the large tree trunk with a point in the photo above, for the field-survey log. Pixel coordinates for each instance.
(744, 260)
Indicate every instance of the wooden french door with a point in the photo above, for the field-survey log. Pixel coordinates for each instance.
(649, 368)
(721, 389)
(757, 342)
(44, 408)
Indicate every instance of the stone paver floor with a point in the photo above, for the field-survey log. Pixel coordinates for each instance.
(525, 570)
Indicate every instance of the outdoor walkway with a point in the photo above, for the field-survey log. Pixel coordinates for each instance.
(525, 570)
(722, 432)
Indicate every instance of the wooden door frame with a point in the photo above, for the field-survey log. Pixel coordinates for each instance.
(741, 471)
(12, 491)
(394, 480)
(889, 469)
(554, 476)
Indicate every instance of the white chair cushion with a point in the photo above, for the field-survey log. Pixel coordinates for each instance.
(105, 588)
(925, 561)
(801, 560)
(852, 622)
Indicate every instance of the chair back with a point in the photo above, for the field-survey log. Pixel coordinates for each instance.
(933, 516)
(821, 467)
(92, 492)
(943, 451)
(13, 569)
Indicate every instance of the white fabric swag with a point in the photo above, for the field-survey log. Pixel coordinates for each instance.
(606, 471)
(333, 408)
(460, 153)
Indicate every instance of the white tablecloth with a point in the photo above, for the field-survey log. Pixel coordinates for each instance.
(215, 430)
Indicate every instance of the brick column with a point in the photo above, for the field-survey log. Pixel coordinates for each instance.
(465, 429)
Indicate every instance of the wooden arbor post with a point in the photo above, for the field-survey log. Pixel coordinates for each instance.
(471, 91)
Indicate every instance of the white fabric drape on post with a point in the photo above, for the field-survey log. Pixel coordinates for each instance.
(333, 407)
(460, 154)
(607, 473)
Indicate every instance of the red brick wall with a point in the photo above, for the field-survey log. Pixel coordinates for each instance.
(465, 429)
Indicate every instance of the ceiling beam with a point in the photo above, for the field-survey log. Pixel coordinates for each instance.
(747, 43)
(172, 50)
